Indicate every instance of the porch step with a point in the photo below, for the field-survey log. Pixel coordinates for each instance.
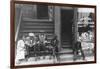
(66, 51)
(29, 25)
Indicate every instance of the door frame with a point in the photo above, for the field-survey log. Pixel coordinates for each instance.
(74, 22)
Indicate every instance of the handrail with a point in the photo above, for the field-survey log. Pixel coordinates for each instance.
(19, 23)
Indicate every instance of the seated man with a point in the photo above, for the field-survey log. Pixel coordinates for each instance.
(42, 41)
(33, 44)
(27, 45)
(32, 38)
(54, 43)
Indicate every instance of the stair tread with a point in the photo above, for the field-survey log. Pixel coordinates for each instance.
(36, 20)
(32, 23)
(65, 50)
(37, 30)
(66, 44)
(47, 33)
(69, 47)
(31, 27)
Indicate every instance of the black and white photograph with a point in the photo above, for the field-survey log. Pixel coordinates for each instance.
(53, 34)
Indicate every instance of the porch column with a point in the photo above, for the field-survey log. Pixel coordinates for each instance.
(57, 22)
(75, 22)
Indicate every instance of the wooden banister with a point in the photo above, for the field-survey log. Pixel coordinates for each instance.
(19, 23)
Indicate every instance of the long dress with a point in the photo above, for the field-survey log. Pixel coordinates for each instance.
(20, 50)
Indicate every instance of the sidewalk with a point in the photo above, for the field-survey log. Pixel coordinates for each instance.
(64, 58)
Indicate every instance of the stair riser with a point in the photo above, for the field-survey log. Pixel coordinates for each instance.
(37, 27)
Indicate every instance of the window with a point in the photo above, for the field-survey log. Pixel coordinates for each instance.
(38, 11)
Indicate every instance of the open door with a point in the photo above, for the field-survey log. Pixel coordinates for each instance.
(67, 16)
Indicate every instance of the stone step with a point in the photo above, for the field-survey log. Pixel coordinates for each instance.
(67, 46)
(41, 24)
(38, 27)
(36, 20)
(66, 43)
(46, 30)
(66, 51)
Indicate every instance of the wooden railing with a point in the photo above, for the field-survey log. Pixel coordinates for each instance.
(19, 23)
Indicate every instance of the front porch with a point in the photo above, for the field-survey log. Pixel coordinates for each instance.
(65, 57)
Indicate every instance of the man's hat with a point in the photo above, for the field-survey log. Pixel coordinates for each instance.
(31, 34)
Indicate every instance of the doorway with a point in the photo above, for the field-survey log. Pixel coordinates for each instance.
(66, 27)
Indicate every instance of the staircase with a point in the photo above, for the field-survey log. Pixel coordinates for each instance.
(29, 25)
(66, 45)
(66, 50)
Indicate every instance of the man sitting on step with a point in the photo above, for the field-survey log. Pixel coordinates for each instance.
(54, 43)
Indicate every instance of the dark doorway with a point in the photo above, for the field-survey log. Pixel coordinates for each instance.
(66, 27)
